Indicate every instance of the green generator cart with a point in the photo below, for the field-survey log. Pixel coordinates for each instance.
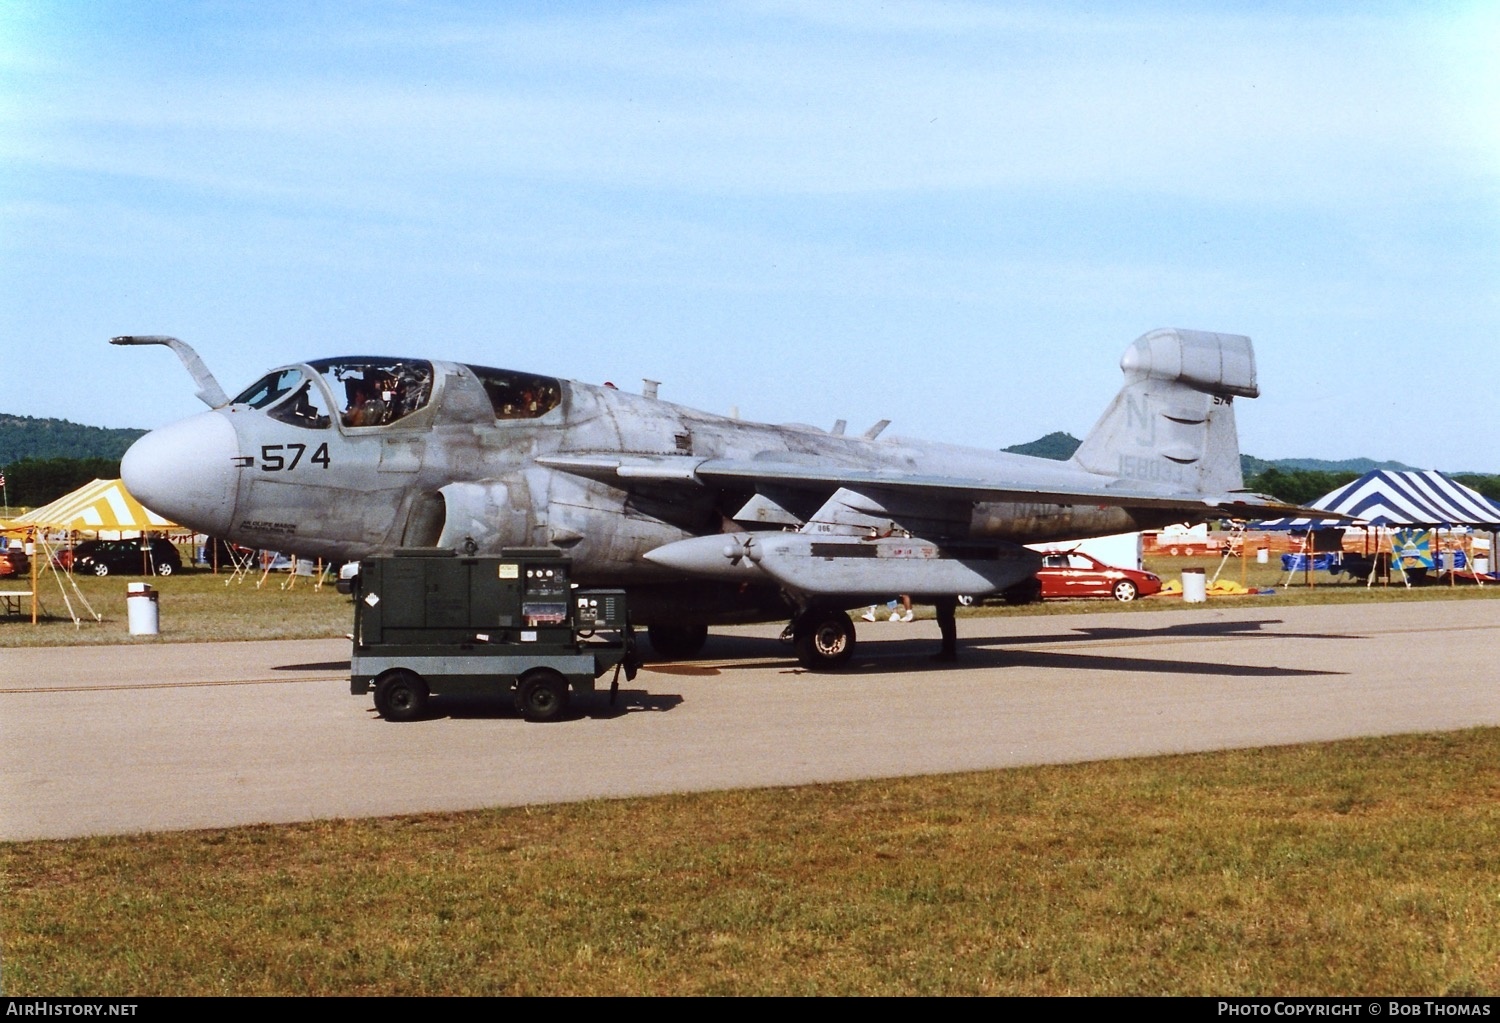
(435, 623)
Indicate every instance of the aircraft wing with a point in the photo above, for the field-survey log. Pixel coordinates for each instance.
(625, 471)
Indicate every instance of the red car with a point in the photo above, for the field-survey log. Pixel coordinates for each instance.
(1076, 574)
(13, 561)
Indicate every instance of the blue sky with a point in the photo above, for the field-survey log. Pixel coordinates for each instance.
(953, 215)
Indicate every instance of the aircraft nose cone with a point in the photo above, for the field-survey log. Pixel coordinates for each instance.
(186, 472)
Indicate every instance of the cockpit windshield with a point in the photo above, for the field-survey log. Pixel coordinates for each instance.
(306, 407)
(518, 395)
(376, 391)
(271, 387)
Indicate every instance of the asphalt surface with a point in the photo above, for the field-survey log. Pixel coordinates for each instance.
(157, 736)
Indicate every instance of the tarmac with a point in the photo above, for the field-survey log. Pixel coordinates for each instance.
(160, 736)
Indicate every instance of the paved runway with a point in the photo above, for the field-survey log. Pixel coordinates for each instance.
(101, 740)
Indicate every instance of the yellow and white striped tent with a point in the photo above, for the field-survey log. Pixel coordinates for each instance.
(100, 505)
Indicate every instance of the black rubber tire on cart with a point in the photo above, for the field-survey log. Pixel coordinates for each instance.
(401, 695)
(542, 695)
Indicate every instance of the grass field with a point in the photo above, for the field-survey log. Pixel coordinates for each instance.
(194, 606)
(1369, 867)
(198, 606)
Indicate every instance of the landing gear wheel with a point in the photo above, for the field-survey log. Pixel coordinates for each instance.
(401, 695)
(676, 642)
(824, 640)
(1124, 591)
(542, 695)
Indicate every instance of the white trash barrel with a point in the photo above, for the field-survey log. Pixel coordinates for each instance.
(1194, 586)
(1262, 555)
(141, 606)
(1481, 566)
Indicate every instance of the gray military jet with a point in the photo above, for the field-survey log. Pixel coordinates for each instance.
(703, 519)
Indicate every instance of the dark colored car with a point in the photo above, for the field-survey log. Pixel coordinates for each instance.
(126, 557)
(1076, 574)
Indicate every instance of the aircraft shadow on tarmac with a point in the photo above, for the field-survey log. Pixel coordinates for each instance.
(1192, 630)
(915, 655)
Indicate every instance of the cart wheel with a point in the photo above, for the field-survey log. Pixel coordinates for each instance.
(542, 695)
(401, 695)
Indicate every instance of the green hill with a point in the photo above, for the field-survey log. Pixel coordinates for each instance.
(22, 437)
(1059, 446)
(1251, 465)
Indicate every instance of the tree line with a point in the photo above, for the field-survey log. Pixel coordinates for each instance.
(1303, 486)
(33, 482)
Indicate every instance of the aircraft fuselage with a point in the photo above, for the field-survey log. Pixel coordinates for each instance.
(460, 466)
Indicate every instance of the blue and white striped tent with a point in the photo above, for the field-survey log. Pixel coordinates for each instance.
(1385, 498)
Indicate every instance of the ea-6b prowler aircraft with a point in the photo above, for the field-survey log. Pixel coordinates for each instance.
(703, 519)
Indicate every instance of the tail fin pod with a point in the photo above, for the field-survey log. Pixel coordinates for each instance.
(1173, 421)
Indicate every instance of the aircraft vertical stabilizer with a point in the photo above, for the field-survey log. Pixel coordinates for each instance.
(1172, 424)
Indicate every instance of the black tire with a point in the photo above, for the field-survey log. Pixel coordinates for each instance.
(542, 695)
(1124, 591)
(824, 640)
(676, 642)
(401, 695)
(99, 568)
(164, 569)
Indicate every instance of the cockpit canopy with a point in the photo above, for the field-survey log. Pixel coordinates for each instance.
(377, 392)
(374, 392)
(368, 391)
(518, 395)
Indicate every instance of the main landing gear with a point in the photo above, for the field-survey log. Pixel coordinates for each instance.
(824, 640)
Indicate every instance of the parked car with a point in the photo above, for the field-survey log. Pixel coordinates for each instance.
(1076, 574)
(13, 561)
(126, 557)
